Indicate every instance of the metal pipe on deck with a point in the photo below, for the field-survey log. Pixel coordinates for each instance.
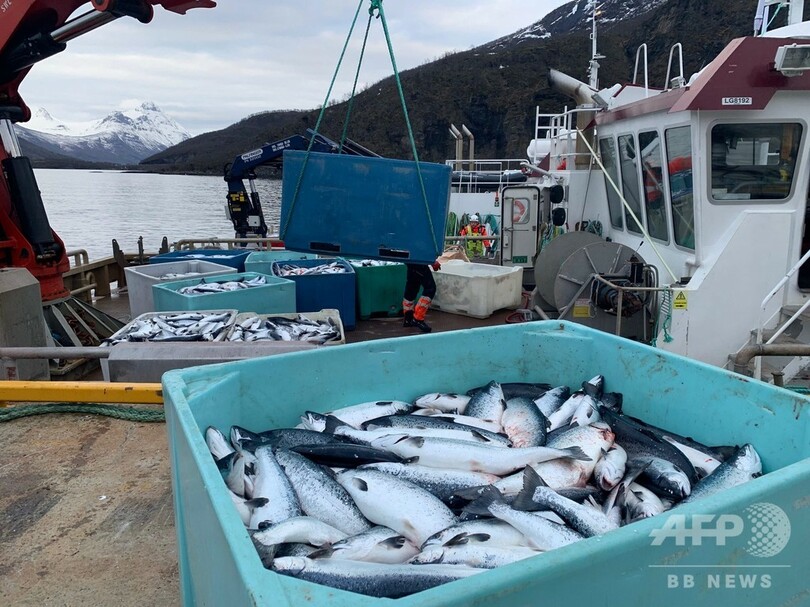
(471, 137)
(456, 134)
(69, 353)
(746, 354)
(585, 96)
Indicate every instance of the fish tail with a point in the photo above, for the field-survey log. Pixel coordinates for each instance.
(525, 499)
(575, 453)
(489, 497)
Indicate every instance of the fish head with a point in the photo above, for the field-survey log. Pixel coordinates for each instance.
(748, 459)
(682, 485)
(294, 565)
(605, 432)
(314, 421)
(387, 441)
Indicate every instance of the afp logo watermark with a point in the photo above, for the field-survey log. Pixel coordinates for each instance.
(765, 527)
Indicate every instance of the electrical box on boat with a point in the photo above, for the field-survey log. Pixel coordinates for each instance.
(714, 406)
(21, 324)
(364, 207)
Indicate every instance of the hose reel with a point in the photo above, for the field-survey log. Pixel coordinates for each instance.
(591, 281)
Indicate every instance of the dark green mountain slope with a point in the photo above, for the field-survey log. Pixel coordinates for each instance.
(493, 89)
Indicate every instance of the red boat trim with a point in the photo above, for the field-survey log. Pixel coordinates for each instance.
(743, 70)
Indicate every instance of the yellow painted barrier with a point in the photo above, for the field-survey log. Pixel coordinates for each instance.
(80, 392)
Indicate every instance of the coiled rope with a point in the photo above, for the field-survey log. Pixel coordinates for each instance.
(135, 414)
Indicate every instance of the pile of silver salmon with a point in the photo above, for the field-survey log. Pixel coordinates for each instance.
(290, 269)
(174, 326)
(278, 328)
(389, 498)
(178, 275)
(372, 263)
(238, 284)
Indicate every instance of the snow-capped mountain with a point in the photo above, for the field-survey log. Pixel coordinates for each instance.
(576, 15)
(122, 137)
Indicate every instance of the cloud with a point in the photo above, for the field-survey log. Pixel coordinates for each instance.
(212, 67)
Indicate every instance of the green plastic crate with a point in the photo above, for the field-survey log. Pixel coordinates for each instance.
(379, 289)
(219, 565)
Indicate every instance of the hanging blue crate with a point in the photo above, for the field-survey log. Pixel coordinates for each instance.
(366, 207)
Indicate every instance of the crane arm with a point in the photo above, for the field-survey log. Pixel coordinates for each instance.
(30, 31)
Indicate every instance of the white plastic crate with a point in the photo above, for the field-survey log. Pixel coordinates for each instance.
(477, 289)
(141, 278)
(105, 367)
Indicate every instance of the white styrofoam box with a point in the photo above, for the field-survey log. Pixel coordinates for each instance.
(332, 313)
(141, 278)
(105, 366)
(477, 289)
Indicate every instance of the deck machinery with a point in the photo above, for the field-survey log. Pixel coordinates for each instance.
(30, 31)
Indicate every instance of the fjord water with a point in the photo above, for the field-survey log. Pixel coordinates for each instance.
(87, 209)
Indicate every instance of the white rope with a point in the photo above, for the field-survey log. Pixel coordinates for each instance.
(626, 205)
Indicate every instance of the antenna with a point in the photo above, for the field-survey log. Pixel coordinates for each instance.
(593, 65)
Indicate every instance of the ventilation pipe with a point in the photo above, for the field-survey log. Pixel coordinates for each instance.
(585, 97)
(456, 134)
(471, 137)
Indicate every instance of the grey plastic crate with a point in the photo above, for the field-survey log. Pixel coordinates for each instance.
(141, 278)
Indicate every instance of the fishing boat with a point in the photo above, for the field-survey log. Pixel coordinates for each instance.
(674, 214)
(673, 263)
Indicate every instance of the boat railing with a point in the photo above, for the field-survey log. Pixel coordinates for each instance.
(269, 242)
(86, 277)
(79, 257)
(473, 174)
(780, 329)
(560, 131)
(677, 81)
(641, 48)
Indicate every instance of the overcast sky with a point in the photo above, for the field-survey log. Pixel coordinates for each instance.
(212, 67)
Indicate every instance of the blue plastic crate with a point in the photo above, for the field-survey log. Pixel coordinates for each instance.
(221, 567)
(262, 261)
(234, 258)
(365, 207)
(319, 291)
(276, 296)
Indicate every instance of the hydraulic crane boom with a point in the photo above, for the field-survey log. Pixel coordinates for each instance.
(244, 208)
(30, 31)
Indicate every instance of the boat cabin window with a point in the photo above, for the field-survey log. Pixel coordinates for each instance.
(628, 160)
(679, 167)
(753, 161)
(652, 177)
(607, 150)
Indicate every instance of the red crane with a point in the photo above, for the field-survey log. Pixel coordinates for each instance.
(30, 31)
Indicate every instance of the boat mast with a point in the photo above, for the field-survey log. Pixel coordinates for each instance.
(593, 65)
(763, 17)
